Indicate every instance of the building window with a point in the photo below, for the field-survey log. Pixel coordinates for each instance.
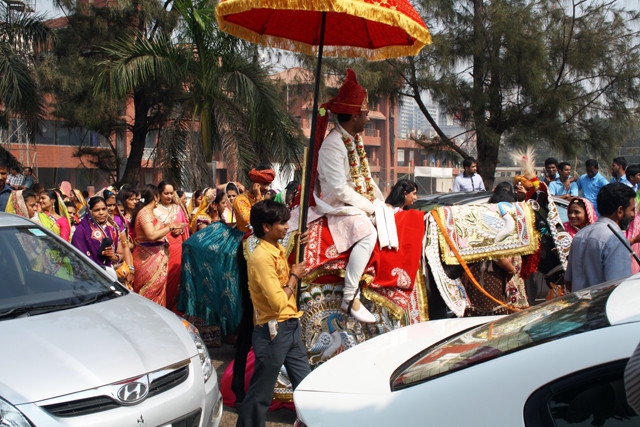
(151, 138)
(56, 133)
(78, 177)
(75, 137)
(401, 157)
(45, 137)
(370, 130)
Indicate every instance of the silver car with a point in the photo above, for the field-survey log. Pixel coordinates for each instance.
(78, 349)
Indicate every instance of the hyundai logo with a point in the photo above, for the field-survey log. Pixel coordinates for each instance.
(132, 392)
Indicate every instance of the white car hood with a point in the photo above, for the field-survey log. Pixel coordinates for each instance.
(367, 367)
(58, 353)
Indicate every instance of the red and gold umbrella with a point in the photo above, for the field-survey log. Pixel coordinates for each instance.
(372, 29)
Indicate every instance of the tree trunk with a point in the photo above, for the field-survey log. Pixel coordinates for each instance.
(140, 128)
(488, 148)
(487, 140)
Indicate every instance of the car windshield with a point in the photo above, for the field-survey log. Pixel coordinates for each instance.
(41, 274)
(570, 315)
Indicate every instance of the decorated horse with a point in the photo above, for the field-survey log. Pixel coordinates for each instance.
(443, 272)
(427, 280)
(463, 244)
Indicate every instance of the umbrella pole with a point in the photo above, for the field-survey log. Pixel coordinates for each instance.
(306, 195)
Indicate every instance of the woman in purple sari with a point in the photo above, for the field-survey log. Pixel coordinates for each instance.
(124, 269)
(93, 229)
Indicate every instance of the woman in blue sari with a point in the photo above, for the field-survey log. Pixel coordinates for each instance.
(209, 278)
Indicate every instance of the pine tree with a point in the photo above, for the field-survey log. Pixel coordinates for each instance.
(521, 72)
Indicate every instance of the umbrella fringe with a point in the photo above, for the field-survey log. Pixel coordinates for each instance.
(330, 51)
(395, 18)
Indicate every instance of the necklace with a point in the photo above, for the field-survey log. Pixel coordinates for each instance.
(361, 176)
(102, 231)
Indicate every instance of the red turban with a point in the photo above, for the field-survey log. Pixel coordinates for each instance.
(265, 176)
(351, 99)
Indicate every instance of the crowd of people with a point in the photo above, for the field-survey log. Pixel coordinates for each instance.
(598, 209)
(157, 240)
(137, 232)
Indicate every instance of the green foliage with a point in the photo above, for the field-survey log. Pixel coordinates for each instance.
(379, 77)
(517, 73)
(224, 87)
(21, 37)
(68, 71)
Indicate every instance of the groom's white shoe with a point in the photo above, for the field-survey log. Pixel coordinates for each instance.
(361, 315)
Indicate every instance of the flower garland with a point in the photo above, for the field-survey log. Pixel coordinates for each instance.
(364, 173)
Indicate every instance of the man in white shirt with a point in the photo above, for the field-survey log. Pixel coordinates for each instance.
(468, 180)
(345, 192)
(15, 178)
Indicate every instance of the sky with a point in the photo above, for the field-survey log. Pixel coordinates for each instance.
(45, 7)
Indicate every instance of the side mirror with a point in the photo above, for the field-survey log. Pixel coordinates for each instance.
(112, 273)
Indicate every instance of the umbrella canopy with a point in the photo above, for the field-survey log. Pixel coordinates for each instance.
(354, 28)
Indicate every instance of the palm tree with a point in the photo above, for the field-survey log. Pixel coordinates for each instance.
(225, 88)
(22, 37)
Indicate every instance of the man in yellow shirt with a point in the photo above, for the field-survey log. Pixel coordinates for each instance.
(277, 338)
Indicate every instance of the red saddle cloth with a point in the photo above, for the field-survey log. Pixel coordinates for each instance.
(393, 271)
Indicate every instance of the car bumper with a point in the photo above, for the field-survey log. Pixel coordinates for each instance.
(190, 403)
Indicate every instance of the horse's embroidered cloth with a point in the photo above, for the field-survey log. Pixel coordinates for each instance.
(322, 257)
(482, 232)
(451, 290)
(390, 274)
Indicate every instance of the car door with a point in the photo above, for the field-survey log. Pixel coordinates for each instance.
(590, 397)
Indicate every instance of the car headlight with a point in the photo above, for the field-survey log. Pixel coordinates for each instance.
(205, 360)
(11, 416)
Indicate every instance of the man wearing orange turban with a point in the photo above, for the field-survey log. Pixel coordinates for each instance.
(347, 189)
(260, 178)
(521, 186)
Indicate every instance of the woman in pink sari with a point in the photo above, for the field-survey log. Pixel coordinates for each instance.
(581, 213)
(151, 255)
(170, 211)
(633, 234)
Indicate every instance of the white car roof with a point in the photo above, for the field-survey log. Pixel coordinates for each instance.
(623, 305)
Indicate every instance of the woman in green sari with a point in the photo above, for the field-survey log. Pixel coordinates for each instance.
(54, 215)
(209, 278)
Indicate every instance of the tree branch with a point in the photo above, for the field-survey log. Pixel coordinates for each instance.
(413, 84)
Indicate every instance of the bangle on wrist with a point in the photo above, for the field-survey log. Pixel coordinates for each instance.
(287, 286)
(296, 276)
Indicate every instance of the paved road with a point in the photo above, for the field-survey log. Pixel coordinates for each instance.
(221, 358)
